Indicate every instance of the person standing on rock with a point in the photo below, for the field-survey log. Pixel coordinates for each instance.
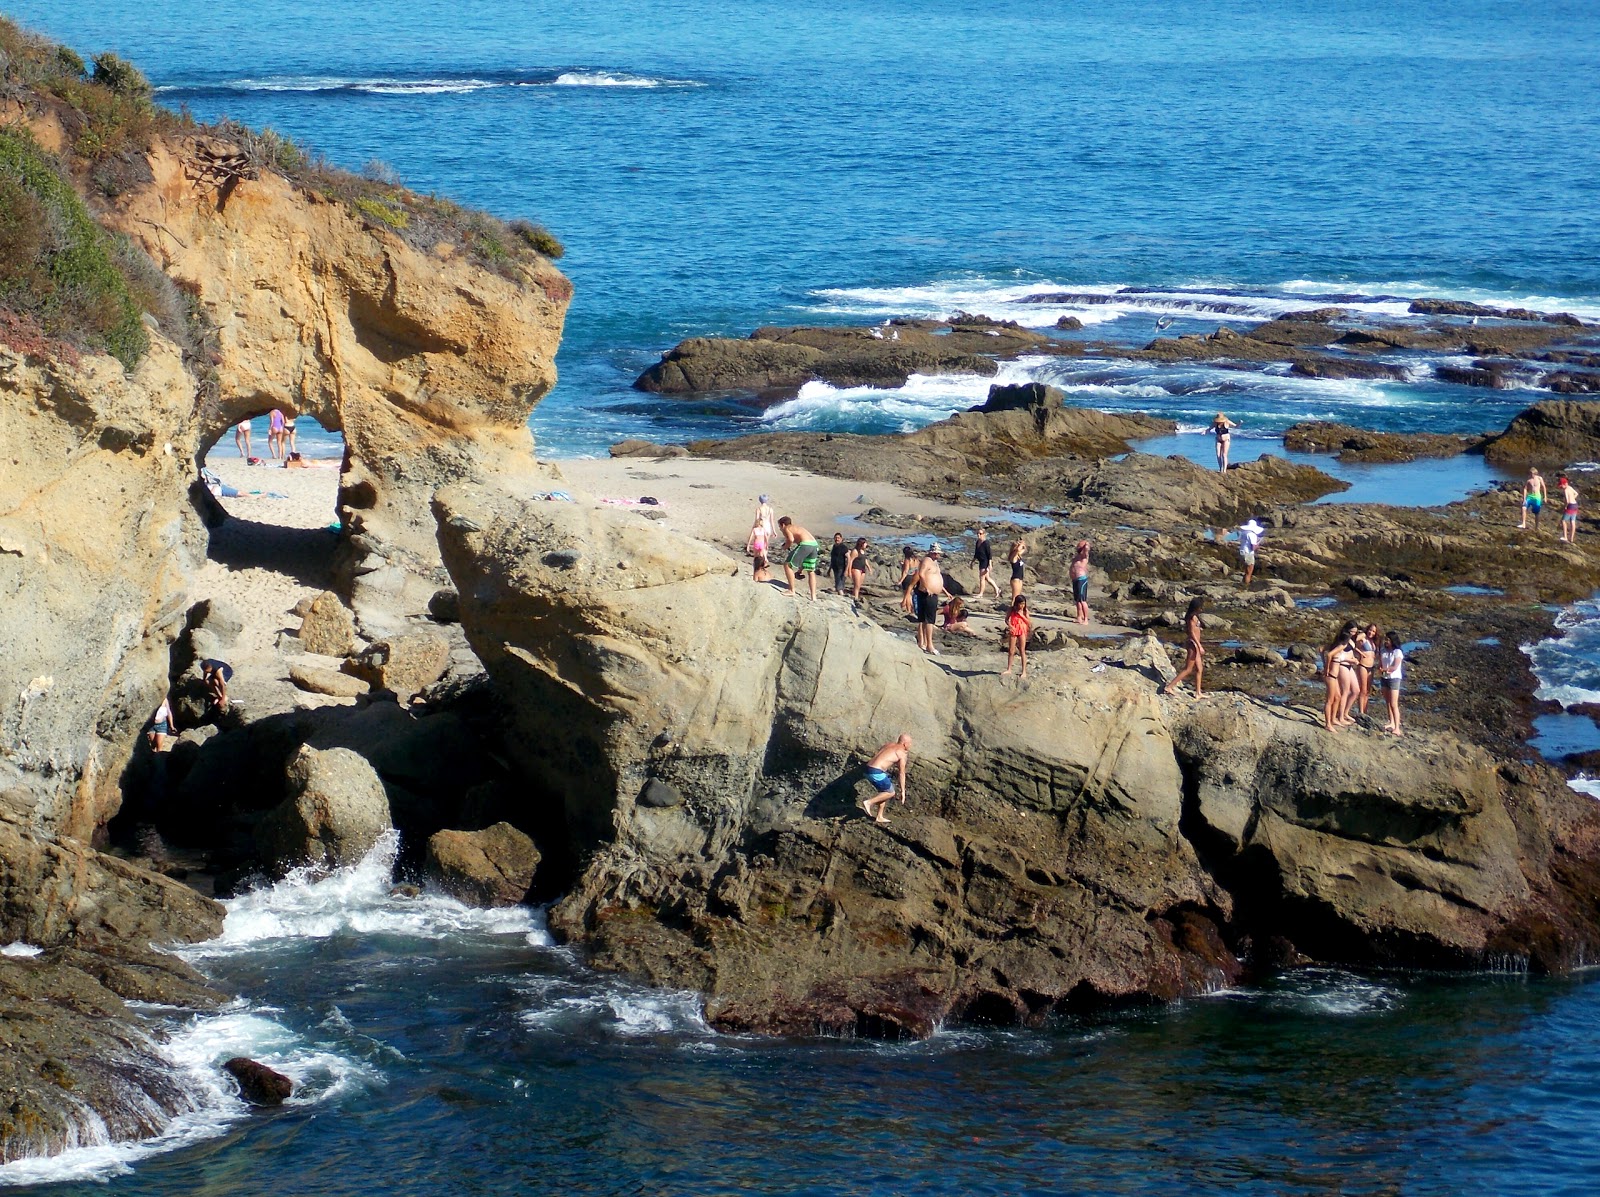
(928, 589)
(241, 438)
(162, 725)
(1018, 628)
(857, 563)
(839, 562)
(908, 578)
(1533, 495)
(1194, 660)
(216, 675)
(983, 559)
(756, 546)
(1569, 511)
(1250, 534)
(802, 555)
(1366, 647)
(1019, 549)
(1222, 428)
(1079, 572)
(894, 755)
(1338, 676)
(1393, 664)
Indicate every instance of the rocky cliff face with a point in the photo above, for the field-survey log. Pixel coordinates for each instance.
(428, 362)
(96, 545)
(1071, 839)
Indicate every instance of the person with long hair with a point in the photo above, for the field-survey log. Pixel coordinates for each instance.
(1222, 428)
(1194, 660)
(858, 563)
(983, 562)
(1018, 628)
(908, 575)
(1079, 572)
(1393, 664)
(1019, 548)
(1366, 648)
(1338, 661)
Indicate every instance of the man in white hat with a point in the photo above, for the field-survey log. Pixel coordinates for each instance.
(929, 586)
(1250, 534)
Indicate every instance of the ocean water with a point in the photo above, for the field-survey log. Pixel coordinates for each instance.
(712, 168)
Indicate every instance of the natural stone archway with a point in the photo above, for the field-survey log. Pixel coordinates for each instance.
(428, 363)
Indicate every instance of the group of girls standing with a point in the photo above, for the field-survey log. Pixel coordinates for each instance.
(1351, 659)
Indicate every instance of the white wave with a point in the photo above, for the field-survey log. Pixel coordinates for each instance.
(380, 85)
(1586, 785)
(196, 1051)
(1584, 306)
(616, 79)
(558, 1004)
(1568, 665)
(20, 949)
(923, 399)
(1320, 991)
(359, 899)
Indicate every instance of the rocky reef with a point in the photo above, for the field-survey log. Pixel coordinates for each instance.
(1072, 840)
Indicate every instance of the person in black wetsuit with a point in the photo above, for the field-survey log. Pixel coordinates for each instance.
(983, 558)
(839, 562)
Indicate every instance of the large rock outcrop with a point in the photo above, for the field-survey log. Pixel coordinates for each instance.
(96, 548)
(427, 362)
(1550, 434)
(706, 734)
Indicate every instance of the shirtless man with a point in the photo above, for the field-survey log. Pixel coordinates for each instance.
(1533, 497)
(929, 586)
(890, 756)
(803, 551)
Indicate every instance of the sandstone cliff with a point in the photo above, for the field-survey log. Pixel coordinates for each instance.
(1072, 839)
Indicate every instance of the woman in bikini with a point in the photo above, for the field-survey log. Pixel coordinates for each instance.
(1222, 428)
(857, 563)
(1194, 660)
(1366, 650)
(908, 576)
(1338, 664)
(1079, 572)
(1019, 549)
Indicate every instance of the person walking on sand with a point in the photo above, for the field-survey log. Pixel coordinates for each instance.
(1222, 428)
(857, 563)
(908, 578)
(838, 562)
(241, 438)
(803, 551)
(1569, 511)
(1194, 658)
(894, 755)
(1018, 628)
(1393, 664)
(766, 517)
(1019, 549)
(756, 546)
(1079, 572)
(928, 590)
(983, 559)
(1250, 534)
(1533, 496)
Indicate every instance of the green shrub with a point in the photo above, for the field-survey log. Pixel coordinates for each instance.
(121, 76)
(384, 211)
(378, 171)
(67, 58)
(56, 263)
(539, 238)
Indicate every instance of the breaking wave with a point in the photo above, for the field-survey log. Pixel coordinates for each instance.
(400, 85)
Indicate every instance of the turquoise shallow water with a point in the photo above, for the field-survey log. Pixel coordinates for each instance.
(713, 168)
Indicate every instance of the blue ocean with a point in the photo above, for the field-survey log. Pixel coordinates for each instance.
(715, 167)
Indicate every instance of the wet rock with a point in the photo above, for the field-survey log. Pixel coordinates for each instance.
(258, 1084)
(445, 606)
(328, 628)
(331, 682)
(1551, 434)
(660, 794)
(405, 664)
(1328, 366)
(1069, 324)
(336, 811)
(1356, 444)
(1252, 654)
(492, 867)
(633, 447)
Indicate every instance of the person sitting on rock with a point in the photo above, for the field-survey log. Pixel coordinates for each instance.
(955, 617)
(893, 755)
(802, 557)
(216, 675)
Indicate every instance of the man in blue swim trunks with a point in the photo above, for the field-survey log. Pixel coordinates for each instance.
(1533, 495)
(891, 756)
(802, 553)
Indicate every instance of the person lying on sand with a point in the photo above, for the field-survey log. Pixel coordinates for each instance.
(890, 756)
